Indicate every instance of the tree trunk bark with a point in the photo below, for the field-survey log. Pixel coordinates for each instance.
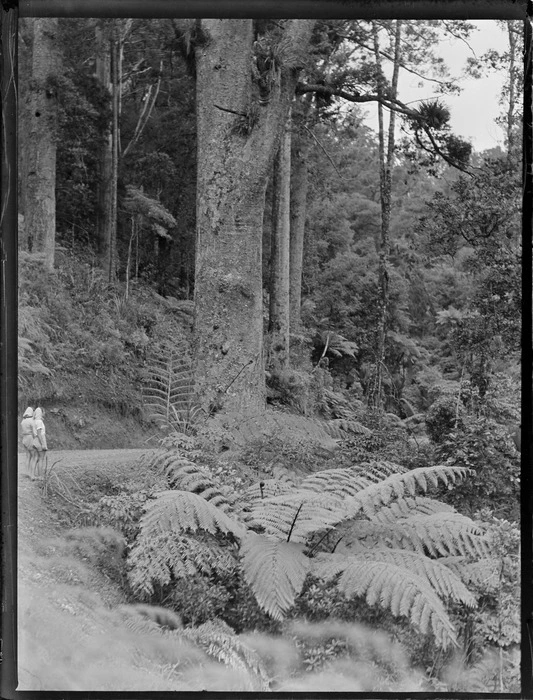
(237, 140)
(104, 217)
(108, 53)
(386, 165)
(280, 256)
(37, 134)
(299, 186)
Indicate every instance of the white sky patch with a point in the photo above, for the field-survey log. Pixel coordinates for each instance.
(474, 110)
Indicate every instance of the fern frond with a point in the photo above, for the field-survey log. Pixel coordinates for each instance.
(165, 557)
(403, 484)
(341, 428)
(347, 482)
(444, 582)
(484, 572)
(219, 641)
(440, 534)
(395, 588)
(182, 511)
(275, 571)
(295, 515)
(184, 475)
(168, 391)
(405, 507)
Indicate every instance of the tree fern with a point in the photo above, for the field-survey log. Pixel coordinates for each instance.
(395, 588)
(168, 391)
(182, 511)
(275, 570)
(162, 558)
(341, 428)
(183, 474)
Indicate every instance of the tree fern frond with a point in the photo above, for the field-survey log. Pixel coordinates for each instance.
(164, 557)
(168, 391)
(275, 571)
(484, 572)
(409, 506)
(297, 514)
(341, 428)
(184, 475)
(393, 587)
(440, 534)
(349, 481)
(219, 641)
(443, 581)
(403, 484)
(182, 511)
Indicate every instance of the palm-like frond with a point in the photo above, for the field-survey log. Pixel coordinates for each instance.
(405, 507)
(162, 558)
(220, 642)
(347, 482)
(168, 391)
(439, 534)
(341, 428)
(295, 515)
(275, 571)
(443, 581)
(393, 587)
(181, 511)
(483, 572)
(403, 484)
(180, 473)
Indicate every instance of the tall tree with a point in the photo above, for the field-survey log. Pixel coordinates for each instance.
(386, 161)
(244, 91)
(39, 63)
(279, 317)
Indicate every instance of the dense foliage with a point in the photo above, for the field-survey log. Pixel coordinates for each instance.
(303, 523)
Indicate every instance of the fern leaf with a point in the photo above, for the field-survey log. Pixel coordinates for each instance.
(403, 484)
(184, 475)
(409, 506)
(395, 588)
(165, 557)
(295, 515)
(219, 641)
(275, 571)
(182, 511)
(443, 581)
(349, 481)
(341, 428)
(168, 392)
(485, 572)
(440, 534)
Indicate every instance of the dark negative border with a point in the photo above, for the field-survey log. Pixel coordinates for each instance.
(360, 9)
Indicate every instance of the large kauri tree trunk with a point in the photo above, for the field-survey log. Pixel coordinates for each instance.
(38, 133)
(238, 135)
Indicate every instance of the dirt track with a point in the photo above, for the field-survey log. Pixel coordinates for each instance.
(84, 460)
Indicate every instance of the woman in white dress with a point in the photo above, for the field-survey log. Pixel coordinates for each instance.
(39, 442)
(28, 432)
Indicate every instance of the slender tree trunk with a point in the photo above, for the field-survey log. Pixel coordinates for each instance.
(109, 43)
(104, 219)
(510, 117)
(386, 156)
(280, 255)
(299, 187)
(237, 140)
(37, 134)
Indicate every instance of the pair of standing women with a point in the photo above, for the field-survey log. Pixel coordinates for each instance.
(34, 440)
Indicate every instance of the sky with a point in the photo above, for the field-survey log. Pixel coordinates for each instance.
(473, 111)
